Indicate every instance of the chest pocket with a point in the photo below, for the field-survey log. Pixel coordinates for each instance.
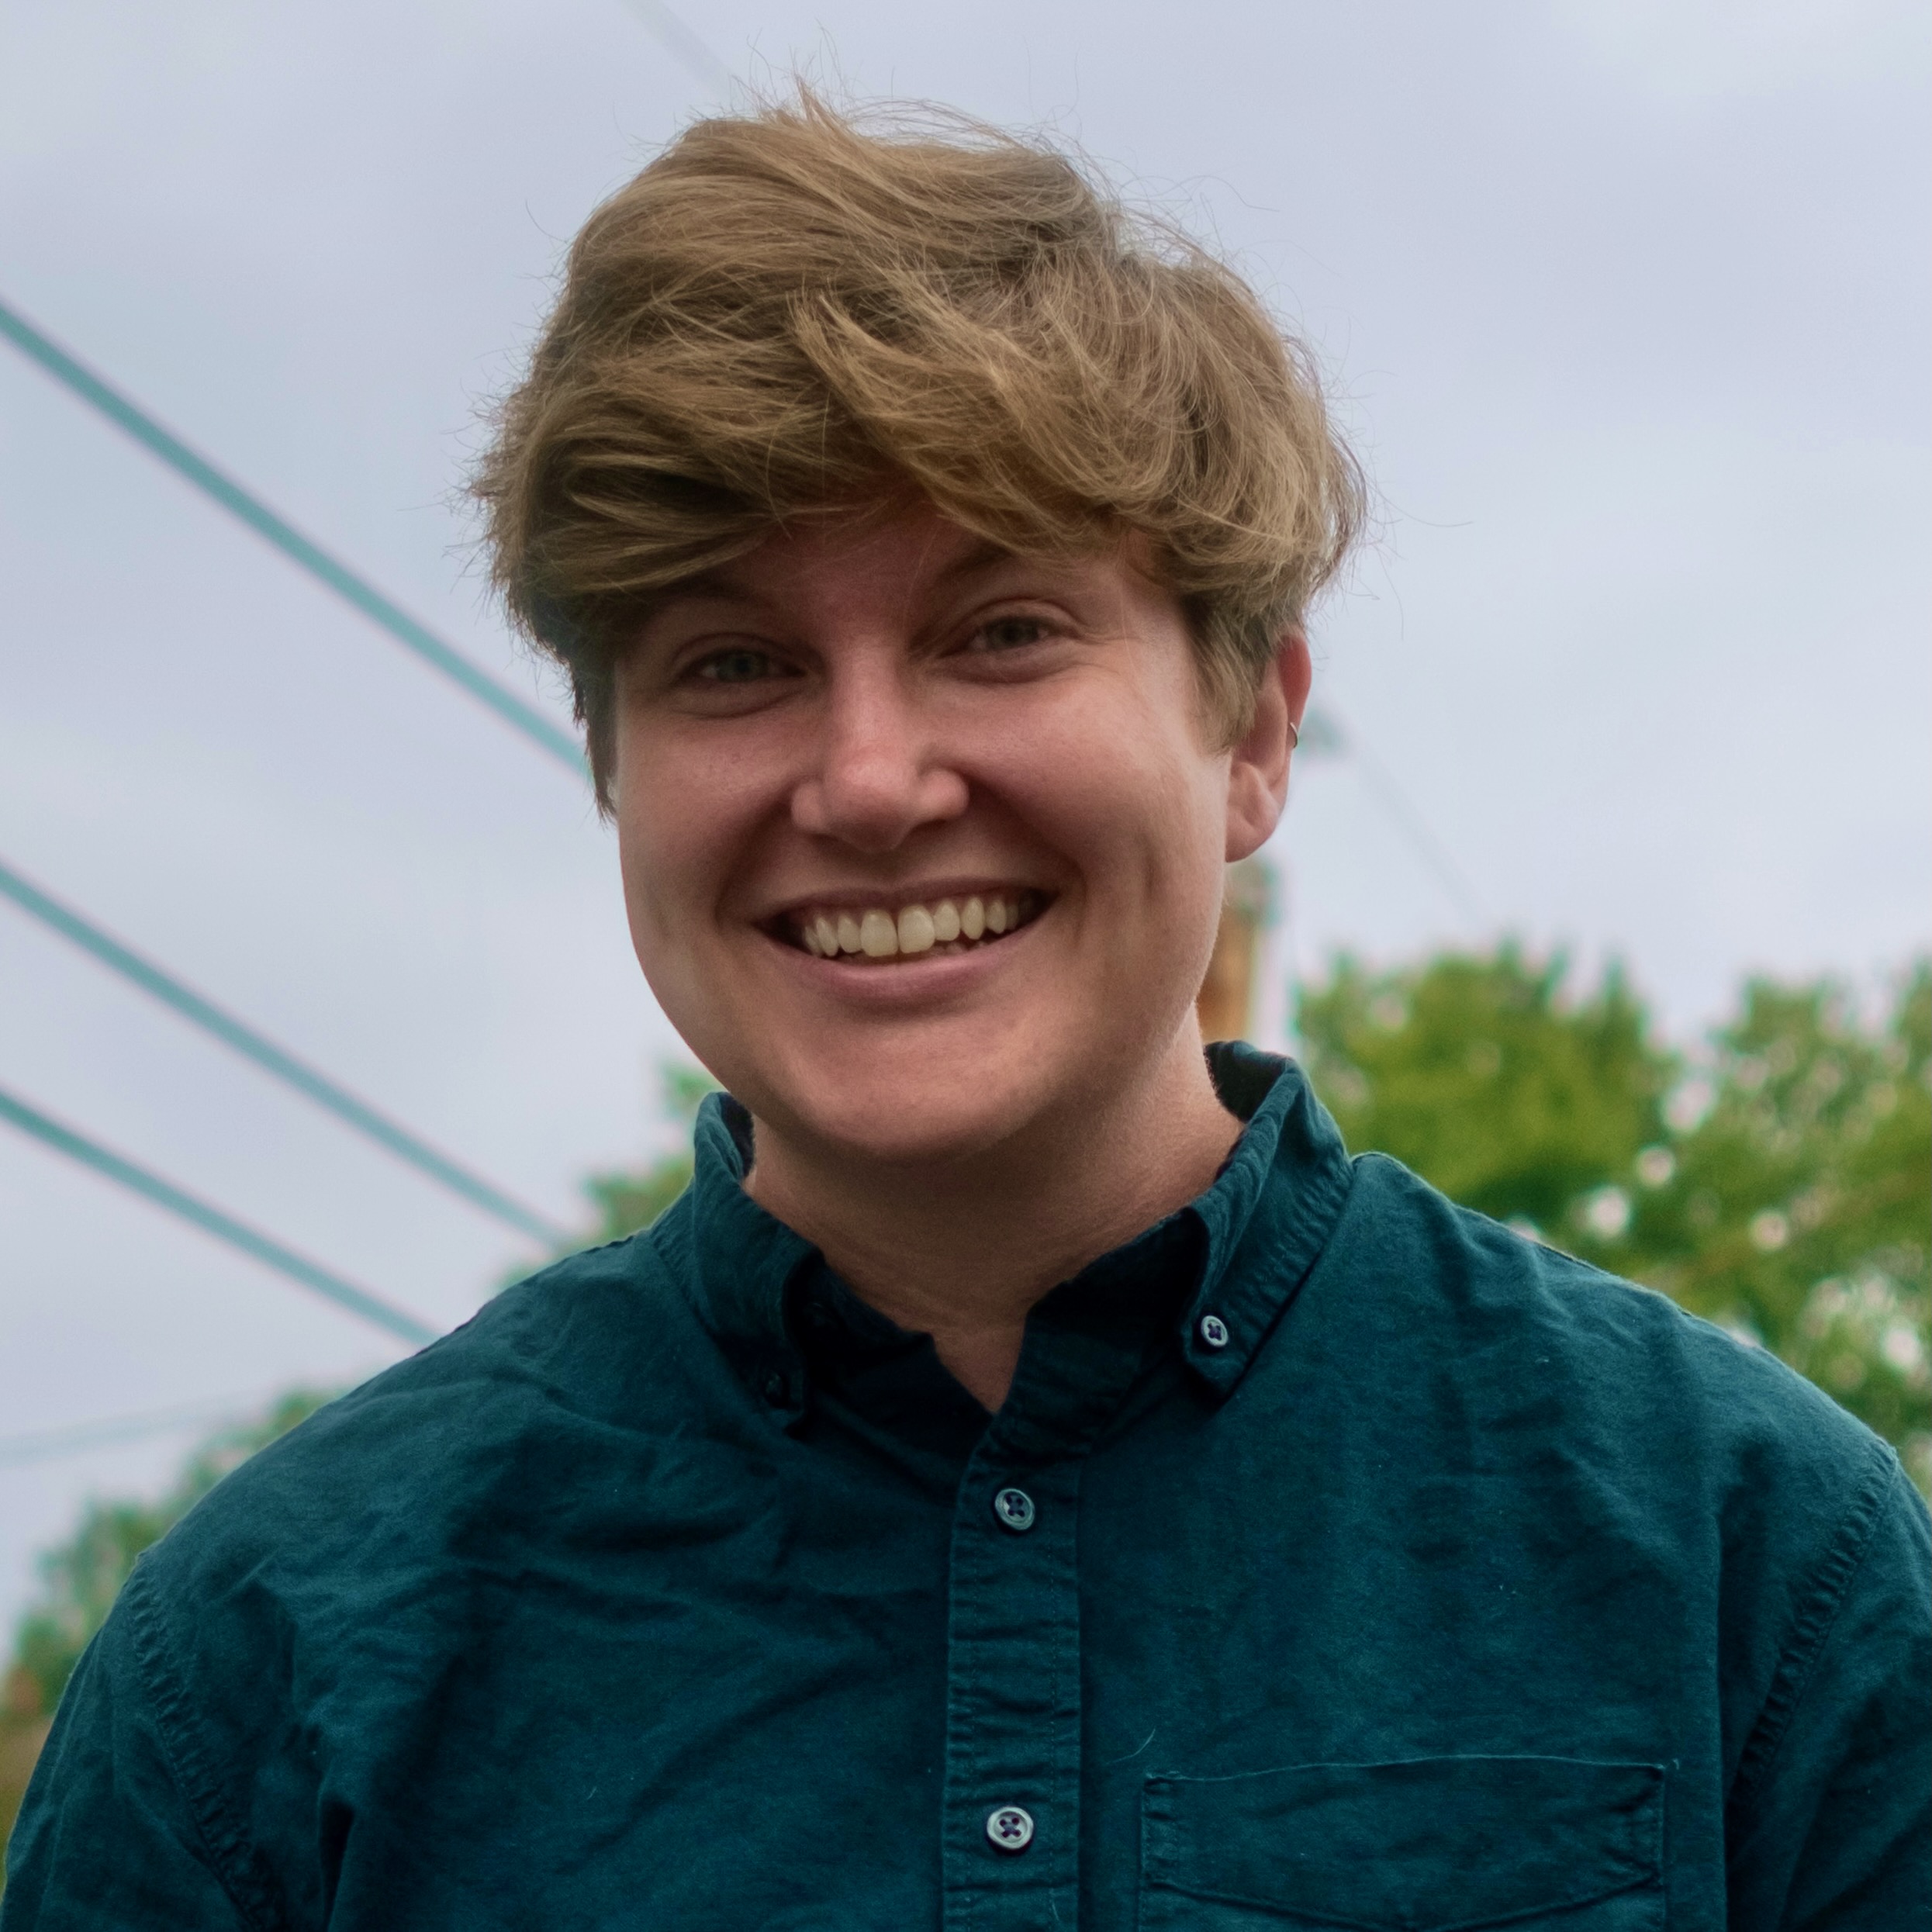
(1430, 1845)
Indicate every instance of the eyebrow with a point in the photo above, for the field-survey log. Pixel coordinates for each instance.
(715, 581)
(982, 553)
(723, 580)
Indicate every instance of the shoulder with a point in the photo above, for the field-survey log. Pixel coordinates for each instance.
(385, 1482)
(1614, 1381)
(1470, 1279)
(341, 1574)
(355, 1559)
(1574, 1426)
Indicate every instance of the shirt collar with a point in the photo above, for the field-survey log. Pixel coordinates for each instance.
(740, 1260)
(1267, 1216)
(1259, 1227)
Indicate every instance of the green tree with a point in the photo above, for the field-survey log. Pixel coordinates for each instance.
(1480, 1074)
(1796, 1211)
(1777, 1181)
(624, 1202)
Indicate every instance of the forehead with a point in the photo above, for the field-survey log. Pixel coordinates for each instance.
(913, 548)
(903, 556)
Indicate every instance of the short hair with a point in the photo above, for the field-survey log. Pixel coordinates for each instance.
(794, 310)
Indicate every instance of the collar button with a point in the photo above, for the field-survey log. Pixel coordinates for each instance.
(1213, 1332)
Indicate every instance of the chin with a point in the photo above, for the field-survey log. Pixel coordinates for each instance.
(888, 1123)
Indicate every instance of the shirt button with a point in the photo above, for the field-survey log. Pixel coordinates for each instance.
(778, 1390)
(1010, 1828)
(1014, 1509)
(1213, 1332)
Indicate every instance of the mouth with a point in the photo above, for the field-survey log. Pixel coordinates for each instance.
(892, 930)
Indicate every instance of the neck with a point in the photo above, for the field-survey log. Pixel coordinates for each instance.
(963, 1249)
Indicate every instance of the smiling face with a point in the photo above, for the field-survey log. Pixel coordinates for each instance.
(923, 842)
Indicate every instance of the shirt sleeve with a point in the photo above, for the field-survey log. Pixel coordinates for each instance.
(1830, 1828)
(106, 1840)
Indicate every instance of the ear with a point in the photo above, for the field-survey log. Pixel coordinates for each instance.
(1258, 776)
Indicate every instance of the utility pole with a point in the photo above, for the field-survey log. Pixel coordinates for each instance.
(1225, 1002)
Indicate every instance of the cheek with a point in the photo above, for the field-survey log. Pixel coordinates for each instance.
(680, 819)
(1121, 786)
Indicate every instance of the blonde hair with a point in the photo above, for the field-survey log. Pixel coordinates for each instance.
(792, 311)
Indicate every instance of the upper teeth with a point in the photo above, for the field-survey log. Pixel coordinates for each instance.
(880, 934)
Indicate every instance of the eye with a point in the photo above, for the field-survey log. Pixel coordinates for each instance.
(739, 663)
(1012, 633)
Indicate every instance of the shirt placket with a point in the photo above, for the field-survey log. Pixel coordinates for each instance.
(1010, 1856)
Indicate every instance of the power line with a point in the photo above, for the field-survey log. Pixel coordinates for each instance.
(283, 1065)
(1322, 735)
(77, 1438)
(212, 1220)
(1395, 802)
(681, 44)
(357, 590)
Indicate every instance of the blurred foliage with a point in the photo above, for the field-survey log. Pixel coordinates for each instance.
(626, 1202)
(1777, 1181)
(1478, 1074)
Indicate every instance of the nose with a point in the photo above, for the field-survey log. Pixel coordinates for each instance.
(877, 773)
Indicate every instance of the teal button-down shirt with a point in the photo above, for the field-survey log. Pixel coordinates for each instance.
(1338, 1559)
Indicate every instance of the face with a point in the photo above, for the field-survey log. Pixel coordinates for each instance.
(923, 842)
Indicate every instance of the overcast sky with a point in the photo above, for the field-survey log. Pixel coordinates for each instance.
(1626, 303)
